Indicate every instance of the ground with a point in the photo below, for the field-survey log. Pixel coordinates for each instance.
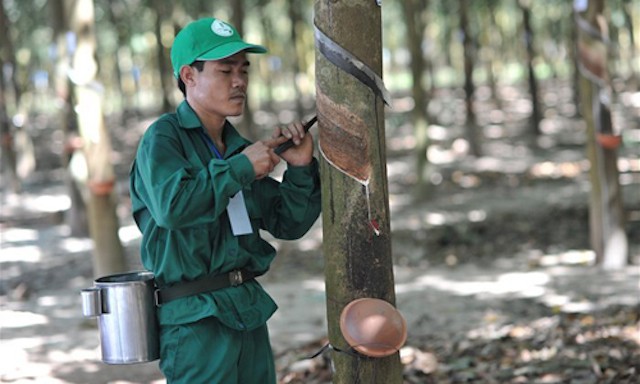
(492, 268)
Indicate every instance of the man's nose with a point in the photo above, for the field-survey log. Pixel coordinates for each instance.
(239, 79)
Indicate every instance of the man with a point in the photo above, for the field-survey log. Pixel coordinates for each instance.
(200, 194)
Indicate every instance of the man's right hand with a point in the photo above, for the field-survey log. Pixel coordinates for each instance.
(262, 157)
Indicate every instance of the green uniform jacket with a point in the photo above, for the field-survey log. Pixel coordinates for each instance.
(179, 194)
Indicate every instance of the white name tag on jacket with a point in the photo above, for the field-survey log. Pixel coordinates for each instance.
(238, 215)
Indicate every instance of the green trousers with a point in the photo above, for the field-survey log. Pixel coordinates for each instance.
(210, 352)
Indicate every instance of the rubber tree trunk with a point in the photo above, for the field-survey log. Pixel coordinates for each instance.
(108, 254)
(606, 211)
(627, 11)
(76, 217)
(167, 82)
(536, 115)
(470, 57)
(115, 12)
(573, 56)
(269, 31)
(492, 42)
(293, 7)
(355, 201)
(245, 125)
(8, 163)
(413, 11)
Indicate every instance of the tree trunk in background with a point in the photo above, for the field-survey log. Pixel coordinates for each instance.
(469, 89)
(76, 218)
(355, 197)
(115, 12)
(632, 51)
(533, 84)
(635, 63)
(9, 45)
(9, 157)
(606, 212)
(265, 66)
(245, 126)
(108, 254)
(295, 19)
(164, 67)
(414, 16)
(573, 55)
(492, 43)
(448, 12)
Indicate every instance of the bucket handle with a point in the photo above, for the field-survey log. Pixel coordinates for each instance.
(91, 302)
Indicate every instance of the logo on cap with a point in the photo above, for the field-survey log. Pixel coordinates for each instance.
(220, 28)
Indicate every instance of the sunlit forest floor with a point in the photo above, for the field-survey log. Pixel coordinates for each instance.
(492, 264)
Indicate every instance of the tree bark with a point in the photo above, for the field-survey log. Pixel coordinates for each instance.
(573, 56)
(76, 217)
(108, 255)
(491, 43)
(606, 212)
(295, 20)
(357, 238)
(269, 32)
(161, 8)
(536, 115)
(632, 52)
(469, 88)
(245, 126)
(115, 12)
(9, 157)
(414, 13)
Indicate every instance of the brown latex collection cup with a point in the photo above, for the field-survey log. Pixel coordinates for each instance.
(373, 327)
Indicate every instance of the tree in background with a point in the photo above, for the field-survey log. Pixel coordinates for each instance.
(163, 11)
(246, 124)
(9, 166)
(606, 212)
(295, 21)
(414, 13)
(473, 135)
(536, 114)
(65, 120)
(491, 40)
(94, 165)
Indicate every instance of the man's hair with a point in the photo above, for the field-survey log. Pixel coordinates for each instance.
(199, 65)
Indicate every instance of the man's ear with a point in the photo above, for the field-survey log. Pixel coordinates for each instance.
(186, 74)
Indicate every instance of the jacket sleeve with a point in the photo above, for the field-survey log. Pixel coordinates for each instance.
(176, 190)
(292, 208)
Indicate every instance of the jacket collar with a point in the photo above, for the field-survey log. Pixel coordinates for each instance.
(188, 119)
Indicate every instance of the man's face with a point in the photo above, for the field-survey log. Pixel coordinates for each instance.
(221, 87)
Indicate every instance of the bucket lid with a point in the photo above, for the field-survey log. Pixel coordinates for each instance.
(373, 327)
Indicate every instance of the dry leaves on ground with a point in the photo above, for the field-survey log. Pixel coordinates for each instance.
(602, 347)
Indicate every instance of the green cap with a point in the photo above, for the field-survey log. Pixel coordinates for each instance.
(207, 39)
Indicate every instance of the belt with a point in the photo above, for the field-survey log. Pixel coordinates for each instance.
(205, 284)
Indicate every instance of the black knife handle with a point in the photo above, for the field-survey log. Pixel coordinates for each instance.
(289, 143)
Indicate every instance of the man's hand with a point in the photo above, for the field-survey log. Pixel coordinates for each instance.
(262, 155)
(302, 152)
(262, 158)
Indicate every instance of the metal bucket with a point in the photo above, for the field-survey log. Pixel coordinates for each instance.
(126, 311)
